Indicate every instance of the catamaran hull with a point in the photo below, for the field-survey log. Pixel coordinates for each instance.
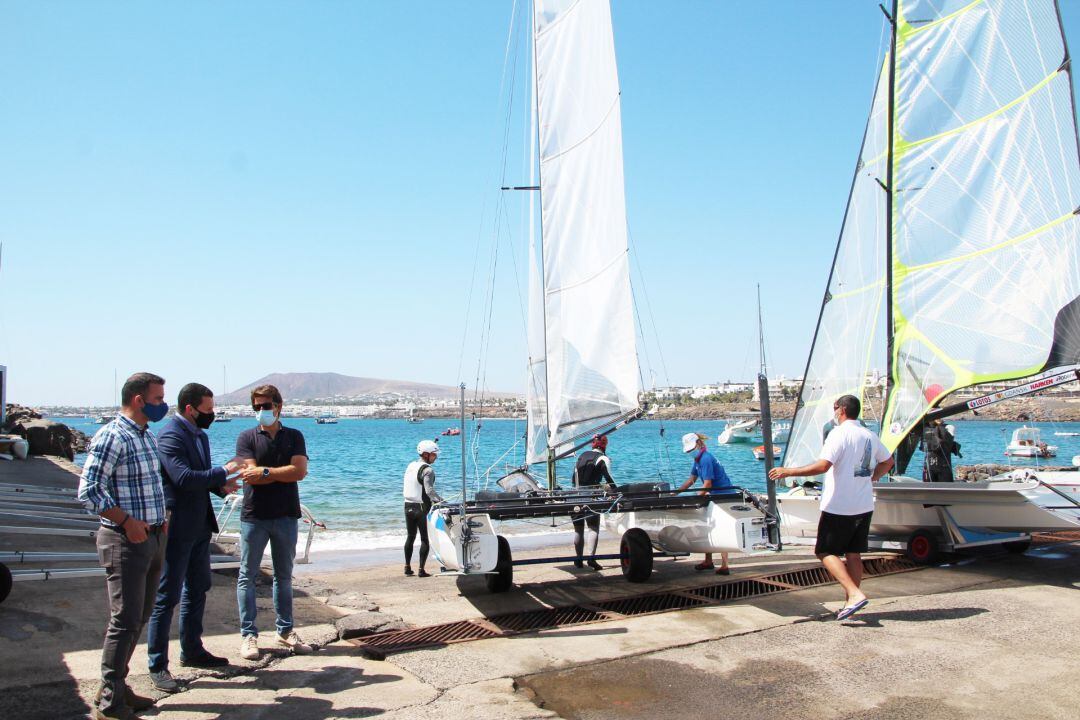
(479, 555)
(901, 508)
(716, 527)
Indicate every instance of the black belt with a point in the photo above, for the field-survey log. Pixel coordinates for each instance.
(150, 529)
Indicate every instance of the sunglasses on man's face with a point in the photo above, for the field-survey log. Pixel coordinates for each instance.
(263, 406)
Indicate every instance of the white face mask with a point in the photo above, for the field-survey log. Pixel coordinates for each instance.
(265, 417)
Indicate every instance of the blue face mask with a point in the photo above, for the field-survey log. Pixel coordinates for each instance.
(265, 417)
(155, 412)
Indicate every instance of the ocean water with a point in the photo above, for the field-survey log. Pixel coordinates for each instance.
(356, 467)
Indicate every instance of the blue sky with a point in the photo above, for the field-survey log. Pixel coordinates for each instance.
(303, 186)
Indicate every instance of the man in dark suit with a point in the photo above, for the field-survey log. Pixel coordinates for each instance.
(188, 479)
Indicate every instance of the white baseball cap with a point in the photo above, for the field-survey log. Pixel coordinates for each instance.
(427, 446)
(689, 441)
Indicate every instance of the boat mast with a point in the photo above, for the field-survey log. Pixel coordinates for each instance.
(766, 426)
(538, 169)
(889, 328)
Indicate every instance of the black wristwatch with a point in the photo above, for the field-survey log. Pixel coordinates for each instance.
(266, 472)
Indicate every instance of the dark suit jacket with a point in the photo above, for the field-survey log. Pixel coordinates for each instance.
(188, 480)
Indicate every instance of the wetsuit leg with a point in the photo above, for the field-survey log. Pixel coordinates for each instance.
(411, 526)
(422, 527)
(592, 534)
(579, 534)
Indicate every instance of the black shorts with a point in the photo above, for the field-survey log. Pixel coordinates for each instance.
(842, 534)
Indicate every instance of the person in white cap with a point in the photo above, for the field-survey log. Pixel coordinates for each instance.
(419, 491)
(713, 479)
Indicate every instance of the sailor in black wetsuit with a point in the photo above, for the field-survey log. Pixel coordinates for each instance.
(940, 446)
(419, 491)
(593, 468)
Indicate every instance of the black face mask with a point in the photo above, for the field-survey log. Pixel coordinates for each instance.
(203, 420)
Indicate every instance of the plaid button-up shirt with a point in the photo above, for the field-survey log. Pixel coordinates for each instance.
(122, 470)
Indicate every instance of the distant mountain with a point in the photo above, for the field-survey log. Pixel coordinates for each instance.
(309, 386)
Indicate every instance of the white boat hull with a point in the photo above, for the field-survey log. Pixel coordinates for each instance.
(479, 555)
(901, 508)
(1028, 451)
(716, 527)
(744, 431)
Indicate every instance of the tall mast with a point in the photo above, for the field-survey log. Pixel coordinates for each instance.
(761, 336)
(889, 327)
(536, 167)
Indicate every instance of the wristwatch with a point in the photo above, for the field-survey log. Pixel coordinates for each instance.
(266, 472)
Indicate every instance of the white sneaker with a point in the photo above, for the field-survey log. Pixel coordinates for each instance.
(293, 642)
(249, 647)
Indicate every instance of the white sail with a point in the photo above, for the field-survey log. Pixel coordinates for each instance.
(589, 360)
(985, 239)
(986, 242)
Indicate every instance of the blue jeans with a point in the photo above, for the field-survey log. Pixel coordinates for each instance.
(281, 534)
(185, 579)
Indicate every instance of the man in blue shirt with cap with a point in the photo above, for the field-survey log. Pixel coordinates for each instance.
(714, 480)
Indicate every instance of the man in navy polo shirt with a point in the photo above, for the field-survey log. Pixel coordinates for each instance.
(714, 481)
(275, 460)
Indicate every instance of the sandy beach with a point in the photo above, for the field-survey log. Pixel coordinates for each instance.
(942, 642)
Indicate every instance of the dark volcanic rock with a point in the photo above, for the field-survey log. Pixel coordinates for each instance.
(44, 436)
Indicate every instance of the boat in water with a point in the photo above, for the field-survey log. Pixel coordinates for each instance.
(957, 262)
(582, 371)
(326, 419)
(759, 452)
(1027, 442)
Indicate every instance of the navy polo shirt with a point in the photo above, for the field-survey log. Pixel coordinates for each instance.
(274, 500)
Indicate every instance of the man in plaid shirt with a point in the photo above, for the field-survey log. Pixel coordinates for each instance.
(121, 482)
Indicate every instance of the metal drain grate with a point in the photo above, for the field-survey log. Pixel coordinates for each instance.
(648, 604)
(431, 636)
(540, 619)
(549, 618)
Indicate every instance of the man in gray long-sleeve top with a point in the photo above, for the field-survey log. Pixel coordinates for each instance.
(419, 492)
(121, 482)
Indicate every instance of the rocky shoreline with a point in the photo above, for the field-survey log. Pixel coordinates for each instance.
(45, 437)
(1032, 409)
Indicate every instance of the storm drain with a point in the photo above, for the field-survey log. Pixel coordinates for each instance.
(585, 613)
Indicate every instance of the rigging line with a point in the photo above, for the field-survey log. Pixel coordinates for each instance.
(511, 43)
(485, 333)
(648, 305)
(641, 329)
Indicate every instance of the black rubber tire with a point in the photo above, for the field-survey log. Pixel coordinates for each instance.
(5, 582)
(635, 555)
(923, 548)
(503, 578)
(1017, 547)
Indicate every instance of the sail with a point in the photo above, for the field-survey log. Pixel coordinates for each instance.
(986, 240)
(981, 271)
(590, 357)
(850, 339)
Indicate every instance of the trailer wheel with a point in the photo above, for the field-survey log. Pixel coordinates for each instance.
(1017, 547)
(922, 548)
(503, 578)
(635, 555)
(5, 582)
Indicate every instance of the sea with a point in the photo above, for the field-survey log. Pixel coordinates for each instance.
(356, 466)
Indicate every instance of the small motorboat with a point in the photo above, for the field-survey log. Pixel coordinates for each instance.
(759, 452)
(452, 431)
(1027, 442)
